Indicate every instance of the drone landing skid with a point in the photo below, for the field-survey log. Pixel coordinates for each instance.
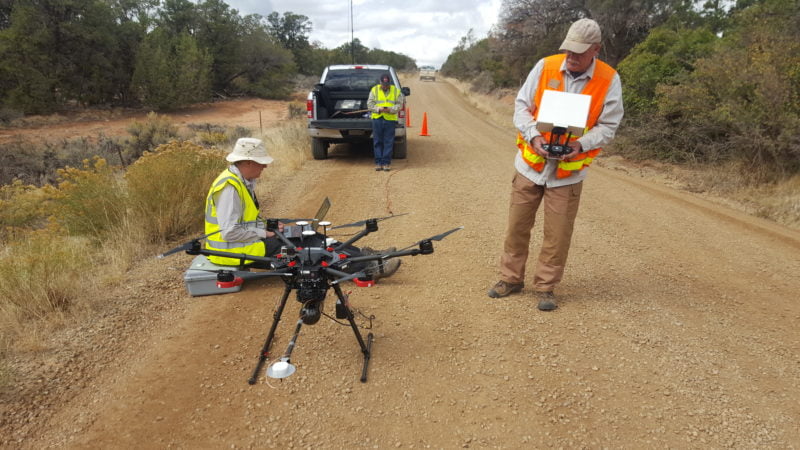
(283, 368)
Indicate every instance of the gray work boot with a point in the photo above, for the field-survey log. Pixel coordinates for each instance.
(504, 288)
(385, 268)
(547, 301)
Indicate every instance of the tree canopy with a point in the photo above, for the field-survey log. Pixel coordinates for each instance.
(162, 54)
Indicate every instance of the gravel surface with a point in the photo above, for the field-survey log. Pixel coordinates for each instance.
(677, 325)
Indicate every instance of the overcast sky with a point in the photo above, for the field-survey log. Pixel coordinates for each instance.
(425, 30)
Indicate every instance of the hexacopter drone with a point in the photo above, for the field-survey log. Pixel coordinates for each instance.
(311, 264)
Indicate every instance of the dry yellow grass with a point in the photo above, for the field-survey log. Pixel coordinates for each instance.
(498, 105)
(50, 276)
(41, 278)
(289, 144)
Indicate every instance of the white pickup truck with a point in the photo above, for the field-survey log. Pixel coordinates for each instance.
(427, 73)
(337, 108)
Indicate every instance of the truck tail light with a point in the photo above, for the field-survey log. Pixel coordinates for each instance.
(402, 113)
(310, 109)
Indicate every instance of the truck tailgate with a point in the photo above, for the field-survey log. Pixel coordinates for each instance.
(342, 124)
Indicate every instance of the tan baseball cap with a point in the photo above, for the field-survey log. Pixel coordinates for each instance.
(581, 35)
(251, 149)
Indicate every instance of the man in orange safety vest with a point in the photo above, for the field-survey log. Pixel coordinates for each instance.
(555, 180)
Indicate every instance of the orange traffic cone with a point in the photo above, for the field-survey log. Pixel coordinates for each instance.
(408, 117)
(424, 131)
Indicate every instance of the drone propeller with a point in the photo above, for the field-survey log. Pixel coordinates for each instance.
(438, 237)
(363, 222)
(186, 246)
(287, 220)
(189, 245)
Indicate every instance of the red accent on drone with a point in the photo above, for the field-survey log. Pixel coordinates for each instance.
(230, 284)
(364, 283)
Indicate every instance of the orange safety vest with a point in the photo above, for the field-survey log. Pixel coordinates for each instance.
(597, 87)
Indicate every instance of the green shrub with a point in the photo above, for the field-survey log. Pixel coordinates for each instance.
(238, 132)
(172, 71)
(7, 115)
(739, 104)
(662, 59)
(167, 188)
(145, 136)
(28, 162)
(37, 163)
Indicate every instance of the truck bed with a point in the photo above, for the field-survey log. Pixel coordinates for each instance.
(341, 104)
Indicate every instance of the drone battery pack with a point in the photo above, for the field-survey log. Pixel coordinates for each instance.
(201, 278)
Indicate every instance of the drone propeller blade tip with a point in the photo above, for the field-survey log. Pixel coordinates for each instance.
(363, 222)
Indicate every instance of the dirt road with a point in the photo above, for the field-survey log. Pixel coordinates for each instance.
(678, 325)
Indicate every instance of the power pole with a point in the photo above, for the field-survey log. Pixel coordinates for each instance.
(352, 47)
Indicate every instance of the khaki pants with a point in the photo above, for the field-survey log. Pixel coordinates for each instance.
(560, 209)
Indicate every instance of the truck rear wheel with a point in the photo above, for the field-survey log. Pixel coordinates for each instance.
(400, 149)
(319, 148)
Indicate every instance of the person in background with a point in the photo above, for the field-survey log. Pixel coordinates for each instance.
(232, 210)
(556, 181)
(385, 101)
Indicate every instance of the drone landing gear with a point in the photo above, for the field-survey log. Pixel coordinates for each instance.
(283, 368)
(343, 309)
(265, 351)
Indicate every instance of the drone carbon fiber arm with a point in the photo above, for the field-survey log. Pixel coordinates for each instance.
(353, 239)
(273, 261)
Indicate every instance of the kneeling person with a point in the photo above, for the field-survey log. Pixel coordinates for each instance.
(232, 209)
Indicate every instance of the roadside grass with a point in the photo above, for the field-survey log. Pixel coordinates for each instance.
(64, 244)
(778, 201)
(289, 145)
(497, 105)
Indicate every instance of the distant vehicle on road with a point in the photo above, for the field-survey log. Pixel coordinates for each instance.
(337, 108)
(427, 73)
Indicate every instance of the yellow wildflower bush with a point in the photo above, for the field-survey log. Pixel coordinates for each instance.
(89, 201)
(23, 207)
(167, 188)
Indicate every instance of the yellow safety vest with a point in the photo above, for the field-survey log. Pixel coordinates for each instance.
(249, 214)
(387, 100)
(596, 87)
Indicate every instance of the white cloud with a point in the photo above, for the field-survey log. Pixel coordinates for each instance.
(425, 30)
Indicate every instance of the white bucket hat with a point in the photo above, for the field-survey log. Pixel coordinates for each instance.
(251, 149)
(581, 35)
